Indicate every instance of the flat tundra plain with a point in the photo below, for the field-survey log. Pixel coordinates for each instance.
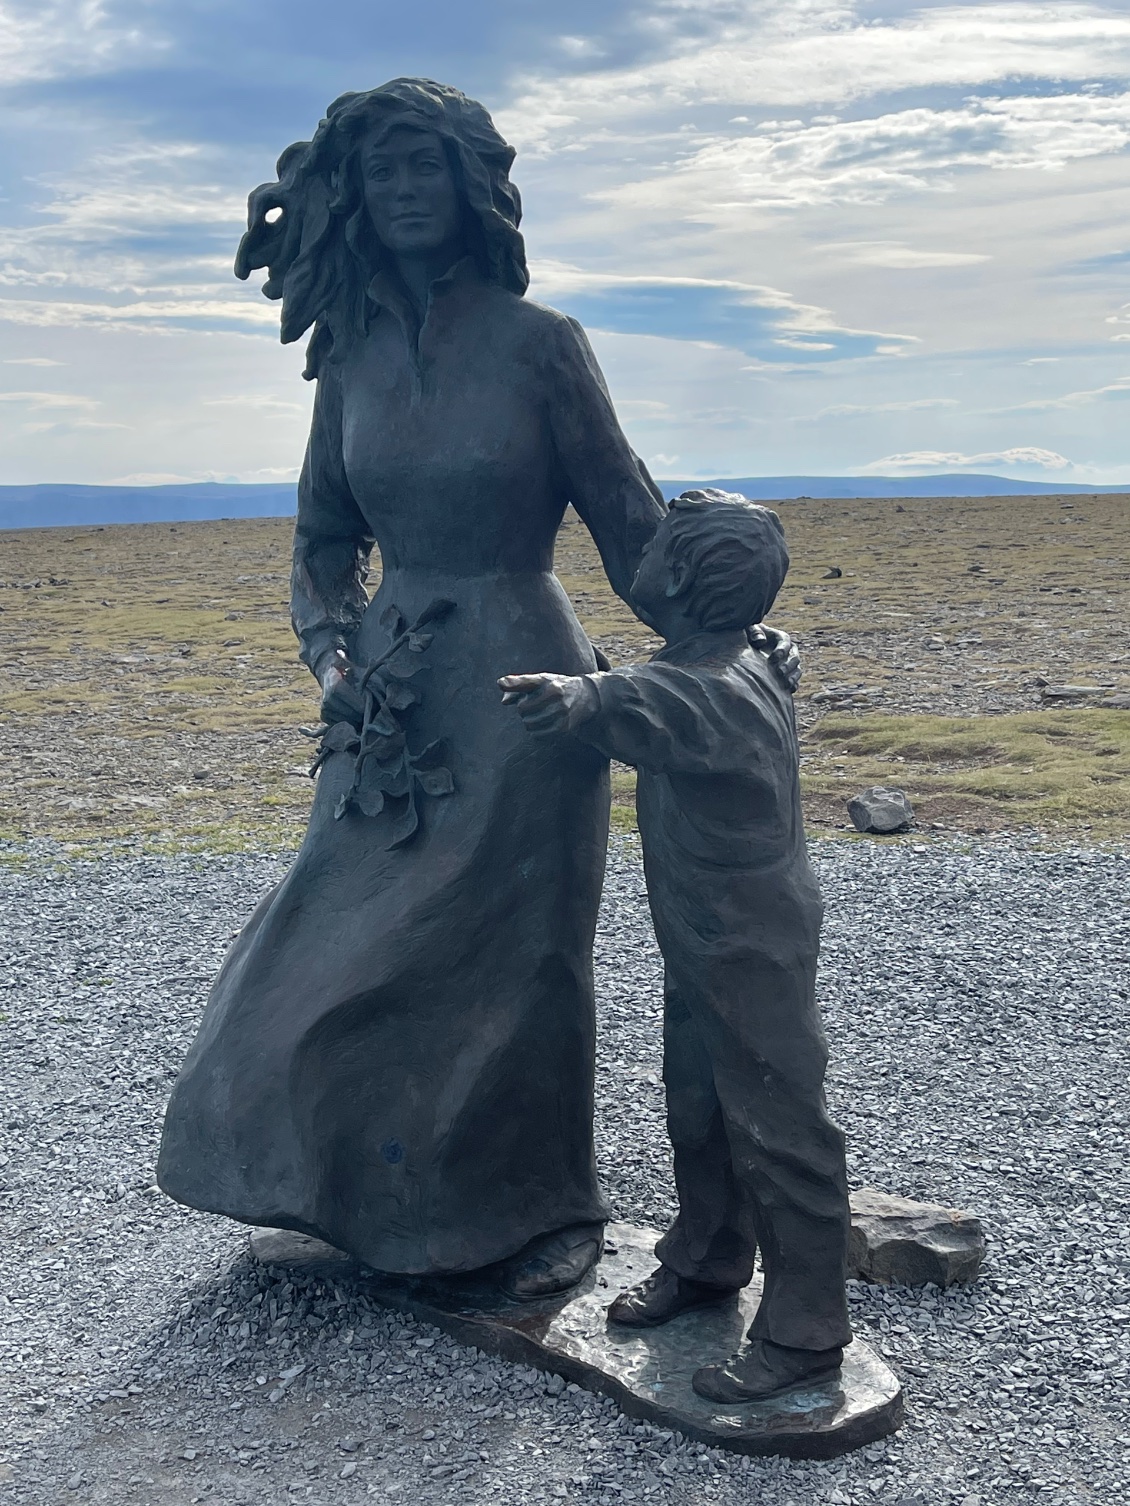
(150, 687)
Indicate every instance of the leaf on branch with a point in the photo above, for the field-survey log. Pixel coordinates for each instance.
(383, 747)
(400, 697)
(435, 611)
(435, 781)
(384, 724)
(405, 828)
(386, 776)
(392, 621)
(429, 756)
(402, 666)
(342, 737)
(390, 780)
(373, 681)
(370, 801)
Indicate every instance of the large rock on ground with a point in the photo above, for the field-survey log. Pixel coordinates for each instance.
(1066, 694)
(880, 810)
(898, 1242)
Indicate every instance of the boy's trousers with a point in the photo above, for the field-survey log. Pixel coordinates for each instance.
(758, 1162)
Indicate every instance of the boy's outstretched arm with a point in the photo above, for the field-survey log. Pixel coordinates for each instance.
(663, 717)
(550, 705)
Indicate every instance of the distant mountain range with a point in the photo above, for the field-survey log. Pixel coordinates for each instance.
(65, 506)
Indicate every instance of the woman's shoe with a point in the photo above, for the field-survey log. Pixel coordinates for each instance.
(552, 1263)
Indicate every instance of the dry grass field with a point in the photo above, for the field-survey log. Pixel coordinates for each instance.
(149, 687)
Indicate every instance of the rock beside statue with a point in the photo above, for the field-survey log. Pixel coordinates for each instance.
(881, 810)
(898, 1242)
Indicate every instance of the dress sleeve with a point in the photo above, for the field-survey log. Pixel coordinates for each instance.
(332, 541)
(676, 721)
(606, 482)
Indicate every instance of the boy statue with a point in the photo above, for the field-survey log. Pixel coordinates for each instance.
(709, 725)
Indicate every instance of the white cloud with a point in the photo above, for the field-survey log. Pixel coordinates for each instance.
(90, 233)
(157, 316)
(158, 478)
(643, 407)
(262, 402)
(274, 473)
(47, 39)
(71, 426)
(900, 258)
(790, 164)
(269, 473)
(32, 361)
(745, 316)
(1118, 388)
(931, 460)
(38, 401)
(909, 405)
(796, 53)
(161, 185)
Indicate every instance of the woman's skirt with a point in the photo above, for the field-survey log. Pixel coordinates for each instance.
(397, 1055)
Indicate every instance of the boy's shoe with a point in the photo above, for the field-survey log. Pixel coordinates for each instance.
(660, 1297)
(764, 1370)
(552, 1264)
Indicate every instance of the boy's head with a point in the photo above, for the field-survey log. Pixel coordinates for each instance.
(718, 557)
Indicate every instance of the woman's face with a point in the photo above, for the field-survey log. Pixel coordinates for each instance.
(410, 191)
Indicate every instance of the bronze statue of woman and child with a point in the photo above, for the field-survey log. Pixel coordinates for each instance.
(397, 1056)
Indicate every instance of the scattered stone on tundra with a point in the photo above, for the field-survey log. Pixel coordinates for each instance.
(897, 1242)
(880, 810)
(1069, 693)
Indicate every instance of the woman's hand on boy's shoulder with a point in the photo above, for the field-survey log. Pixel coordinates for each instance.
(781, 651)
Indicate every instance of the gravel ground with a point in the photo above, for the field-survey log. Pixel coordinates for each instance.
(976, 999)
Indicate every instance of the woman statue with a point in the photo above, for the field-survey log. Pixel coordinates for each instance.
(397, 1055)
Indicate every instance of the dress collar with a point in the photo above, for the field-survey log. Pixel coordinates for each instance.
(386, 291)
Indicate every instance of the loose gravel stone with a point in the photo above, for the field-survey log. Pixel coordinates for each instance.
(976, 1004)
(896, 1240)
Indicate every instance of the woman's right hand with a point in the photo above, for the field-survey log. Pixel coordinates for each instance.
(340, 701)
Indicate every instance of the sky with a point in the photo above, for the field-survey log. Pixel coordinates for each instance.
(805, 236)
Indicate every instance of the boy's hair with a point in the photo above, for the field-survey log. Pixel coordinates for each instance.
(732, 554)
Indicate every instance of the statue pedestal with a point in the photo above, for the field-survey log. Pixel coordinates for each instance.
(647, 1372)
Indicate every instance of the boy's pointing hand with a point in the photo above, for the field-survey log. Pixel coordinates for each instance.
(550, 704)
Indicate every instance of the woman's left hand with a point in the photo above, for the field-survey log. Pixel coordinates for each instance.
(340, 701)
(782, 652)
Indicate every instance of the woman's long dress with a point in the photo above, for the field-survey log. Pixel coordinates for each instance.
(397, 1055)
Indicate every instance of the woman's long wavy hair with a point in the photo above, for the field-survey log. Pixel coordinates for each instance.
(312, 231)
